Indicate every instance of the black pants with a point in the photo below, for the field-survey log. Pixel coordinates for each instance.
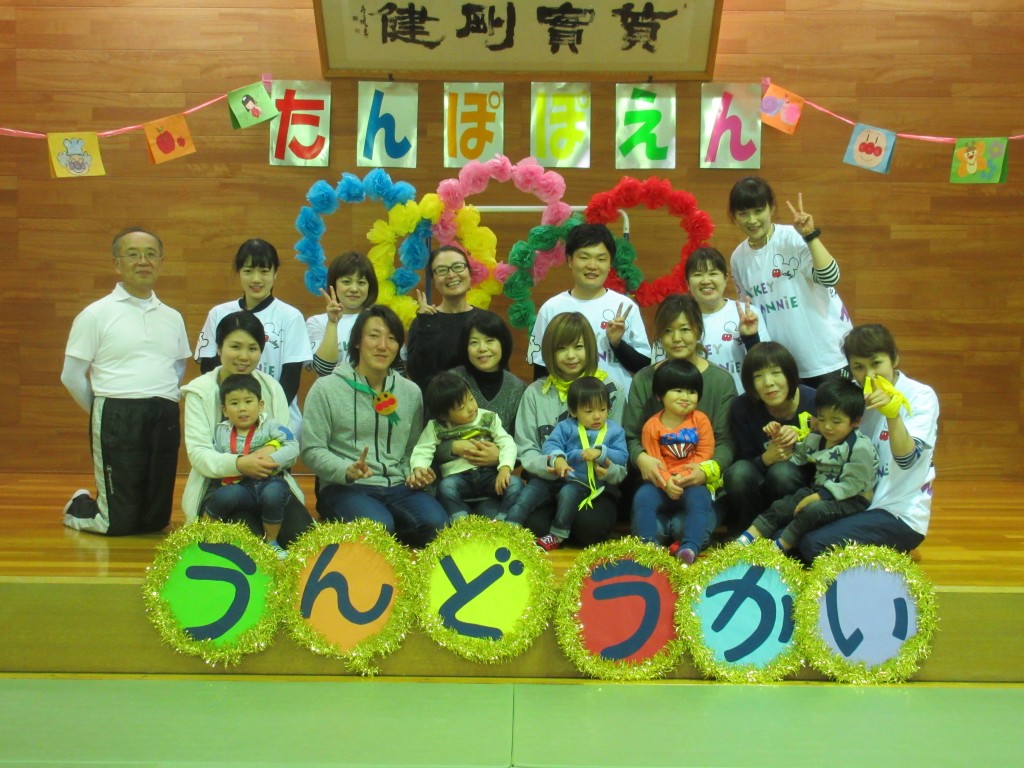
(135, 459)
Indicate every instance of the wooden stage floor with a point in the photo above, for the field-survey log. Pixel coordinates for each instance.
(976, 537)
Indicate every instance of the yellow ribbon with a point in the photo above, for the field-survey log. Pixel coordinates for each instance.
(588, 503)
(891, 409)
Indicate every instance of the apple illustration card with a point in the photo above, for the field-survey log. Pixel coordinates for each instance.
(979, 161)
(781, 109)
(870, 148)
(250, 105)
(168, 139)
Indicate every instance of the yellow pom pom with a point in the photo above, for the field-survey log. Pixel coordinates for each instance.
(381, 232)
(479, 298)
(490, 286)
(431, 207)
(466, 219)
(382, 256)
(405, 307)
(386, 292)
(404, 218)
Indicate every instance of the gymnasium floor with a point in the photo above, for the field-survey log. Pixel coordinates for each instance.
(233, 722)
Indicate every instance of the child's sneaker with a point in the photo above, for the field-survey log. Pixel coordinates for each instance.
(549, 542)
(685, 555)
(278, 549)
(674, 547)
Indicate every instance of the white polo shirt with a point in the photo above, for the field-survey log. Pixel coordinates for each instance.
(132, 346)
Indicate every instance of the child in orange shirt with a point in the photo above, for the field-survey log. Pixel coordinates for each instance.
(681, 436)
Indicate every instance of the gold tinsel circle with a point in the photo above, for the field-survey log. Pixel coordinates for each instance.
(362, 658)
(538, 572)
(761, 553)
(824, 572)
(569, 629)
(168, 554)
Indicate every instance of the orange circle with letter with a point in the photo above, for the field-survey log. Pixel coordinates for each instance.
(347, 593)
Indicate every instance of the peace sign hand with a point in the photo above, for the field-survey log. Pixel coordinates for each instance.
(425, 308)
(802, 220)
(334, 308)
(617, 327)
(358, 470)
(747, 318)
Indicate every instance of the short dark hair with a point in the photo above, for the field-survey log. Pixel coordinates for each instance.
(704, 258)
(769, 354)
(240, 381)
(490, 325)
(256, 253)
(353, 263)
(870, 340)
(130, 230)
(385, 313)
(585, 235)
(677, 374)
(842, 394)
(445, 391)
(586, 390)
(243, 320)
(674, 305)
(749, 193)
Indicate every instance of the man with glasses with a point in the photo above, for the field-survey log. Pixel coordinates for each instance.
(123, 365)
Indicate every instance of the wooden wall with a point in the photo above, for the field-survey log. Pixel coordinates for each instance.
(940, 264)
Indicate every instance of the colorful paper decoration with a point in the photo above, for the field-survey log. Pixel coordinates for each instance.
(352, 590)
(474, 122)
(560, 124)
(615, 615)
(250, 106)
(300, 134)
(386, 135)
(866, 615)
(730, 127)
(645, 126)
(488, 589)
(781, 109)
(168, 139)
(979, 161)
(397, 197)
(870, 148)
(736, 614)
(213, 591)
(74, 154)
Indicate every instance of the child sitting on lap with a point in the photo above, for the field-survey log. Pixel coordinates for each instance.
(585, 452)
(455, 416)
(845, 469)
(246, 429)
(682, 438)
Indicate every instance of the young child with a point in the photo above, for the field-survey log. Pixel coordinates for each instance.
(246, 429)
(682, 437)
(845, 468)
(455, 416)
(791, 277)
(580, 452)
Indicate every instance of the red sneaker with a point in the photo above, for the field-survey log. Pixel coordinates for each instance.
(549, 542)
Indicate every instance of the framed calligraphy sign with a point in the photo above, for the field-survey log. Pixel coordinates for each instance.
(654, 40)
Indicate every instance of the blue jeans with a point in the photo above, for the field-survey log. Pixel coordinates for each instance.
(538, 491)
(873, 526)
(690, 519)
(413, 516)
(269, 497)
(454, 490)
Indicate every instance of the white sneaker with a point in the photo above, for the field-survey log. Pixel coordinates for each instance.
(75, 495)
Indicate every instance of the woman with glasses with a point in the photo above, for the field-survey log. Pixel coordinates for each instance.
(432, 347)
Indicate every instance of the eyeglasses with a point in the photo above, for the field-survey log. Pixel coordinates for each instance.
(134, 257)
(458, 268)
